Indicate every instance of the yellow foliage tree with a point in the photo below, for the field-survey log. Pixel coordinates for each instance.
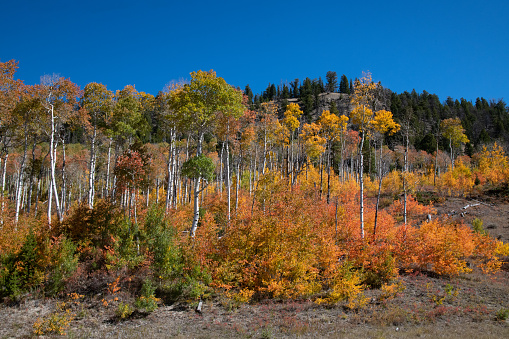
(454, 131)
(493, 164)
(332, 128)
(291, 122)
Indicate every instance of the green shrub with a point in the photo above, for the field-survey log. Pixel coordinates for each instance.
(124, 311)
(477, 224)
(503, 314)
(64, 264)
(147, 300)
(20, 272)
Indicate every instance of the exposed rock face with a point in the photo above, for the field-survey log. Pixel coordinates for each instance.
(325, 99)
(324, 103)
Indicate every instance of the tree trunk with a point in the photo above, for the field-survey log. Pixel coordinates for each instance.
(108, 169)
(20, 185)
(169, 187)
(328, 175)
(91, 174)
(64, 185)
(53, 160)
(237, 184)
(228, 181)
(380, 177)
(361, 186)
(404, 181)
(32, 174)
(196, 192)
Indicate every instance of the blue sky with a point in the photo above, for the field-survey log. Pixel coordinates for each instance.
(450, 48)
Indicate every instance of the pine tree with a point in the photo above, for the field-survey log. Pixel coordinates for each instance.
(343, 85)
(332, 81)
(249, 93)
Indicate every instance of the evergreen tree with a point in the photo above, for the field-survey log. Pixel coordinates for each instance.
(320, 85)
(343, 85)
(307, 96)
(285, 93)
(249, 93)
(332, 81)
(334, 108)
(295, 88)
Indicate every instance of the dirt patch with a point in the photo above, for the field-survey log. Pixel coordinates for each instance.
(493, 212)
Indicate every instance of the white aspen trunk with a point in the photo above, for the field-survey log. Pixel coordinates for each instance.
(25, 190)
(20, 185)
(108, 169)
(255, 173)
(134, 199)
(4, 171)
(221, 170)
(91, 174)
(452, 153)
(157, 191)
(290, 161)
(176, 179)
(404, 181)
(186, 191)
(64, 184)
(328, 173)
(436, 166)
(361, 186)
(50, 202)
(170, 173)
(237, 186)
(264, 152)
(321, 175)
(53, 160)
(250, 177)
(196, 214)
(228, 181)
(171, 170)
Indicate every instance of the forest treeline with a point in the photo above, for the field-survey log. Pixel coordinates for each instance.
(485, 120)
(300, 191)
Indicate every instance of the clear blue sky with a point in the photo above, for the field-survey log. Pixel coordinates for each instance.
(450, 48)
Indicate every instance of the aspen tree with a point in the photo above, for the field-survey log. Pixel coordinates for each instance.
(454, 131)
(98, 103)
(361, 115)
(383, 123)
(196, 105)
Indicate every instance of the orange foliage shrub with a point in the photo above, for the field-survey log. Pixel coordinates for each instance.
(415, 211)
(285, 243)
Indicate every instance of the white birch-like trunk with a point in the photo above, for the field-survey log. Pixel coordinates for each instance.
(108, 169)
(228, 181)
(237, 186)
(196, 214)
(19, 186)
(91, 174)
(52, 187)
(169, 188)
(64, 185)
(361, 186)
